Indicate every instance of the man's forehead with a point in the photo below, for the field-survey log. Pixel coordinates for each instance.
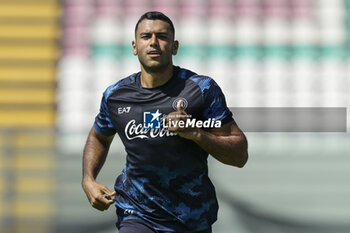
(157, 25)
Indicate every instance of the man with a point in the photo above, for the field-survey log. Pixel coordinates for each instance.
(168, 119)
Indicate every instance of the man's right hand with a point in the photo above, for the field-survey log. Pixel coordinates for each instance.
(99, 196)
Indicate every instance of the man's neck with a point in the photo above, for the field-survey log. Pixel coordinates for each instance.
(156, 79)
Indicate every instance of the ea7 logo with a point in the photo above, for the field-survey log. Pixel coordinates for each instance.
(128, 211)
(124, 110)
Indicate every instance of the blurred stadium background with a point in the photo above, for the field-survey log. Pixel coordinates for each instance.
(57, 57)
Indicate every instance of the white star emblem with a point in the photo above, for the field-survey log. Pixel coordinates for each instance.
(156, 115)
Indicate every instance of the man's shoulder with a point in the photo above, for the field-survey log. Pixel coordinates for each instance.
(203, 81)
(122, 82)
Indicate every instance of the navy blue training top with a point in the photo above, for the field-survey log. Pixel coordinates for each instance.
(165, 180)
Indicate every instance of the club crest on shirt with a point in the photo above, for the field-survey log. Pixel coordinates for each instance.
(184, 103)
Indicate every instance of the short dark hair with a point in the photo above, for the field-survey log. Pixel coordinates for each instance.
(154, 15)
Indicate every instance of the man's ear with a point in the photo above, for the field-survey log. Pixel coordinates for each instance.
(134, 50)
(175, 47)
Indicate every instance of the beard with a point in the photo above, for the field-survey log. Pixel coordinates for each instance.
(154, 68)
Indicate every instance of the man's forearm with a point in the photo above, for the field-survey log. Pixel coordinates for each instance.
(95, 153)
(231, 149)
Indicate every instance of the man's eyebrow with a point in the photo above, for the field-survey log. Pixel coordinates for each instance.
(157, 33)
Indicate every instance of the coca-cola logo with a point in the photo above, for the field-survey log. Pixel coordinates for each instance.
(133, 131)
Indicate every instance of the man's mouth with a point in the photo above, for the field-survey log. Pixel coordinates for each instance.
(154, 53)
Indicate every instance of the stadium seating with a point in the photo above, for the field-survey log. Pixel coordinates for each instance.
(29, 34)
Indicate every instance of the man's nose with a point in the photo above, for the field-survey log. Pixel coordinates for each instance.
(153, 40)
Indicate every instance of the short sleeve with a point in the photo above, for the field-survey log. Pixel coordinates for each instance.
(214, 102)
(103, 123)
